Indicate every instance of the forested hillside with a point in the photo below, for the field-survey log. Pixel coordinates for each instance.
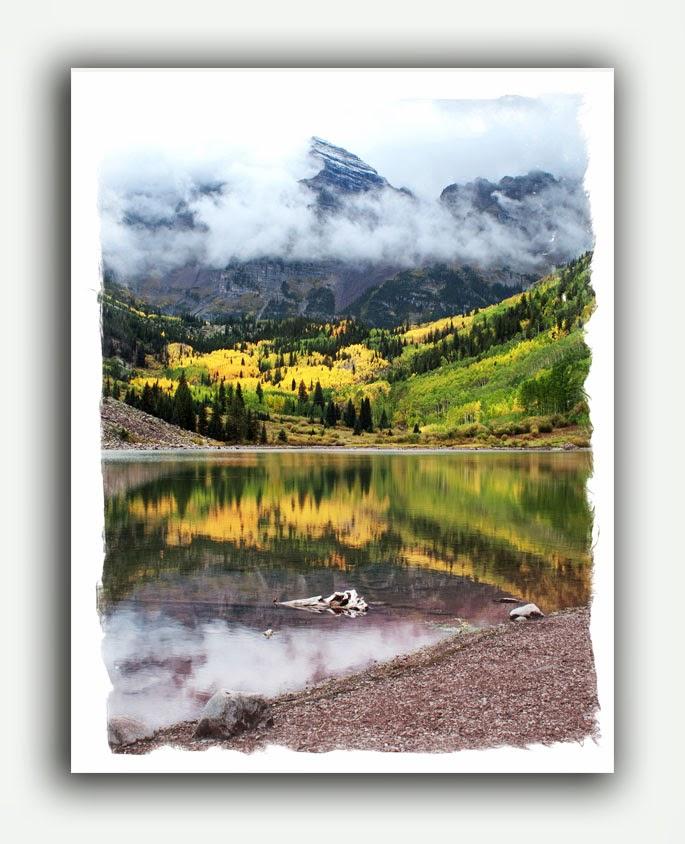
(507, 374)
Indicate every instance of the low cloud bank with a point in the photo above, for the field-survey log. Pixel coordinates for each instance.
(245, 212)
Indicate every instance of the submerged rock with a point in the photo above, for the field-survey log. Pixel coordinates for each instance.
(122, 731)
(228, 713)
(526, 611)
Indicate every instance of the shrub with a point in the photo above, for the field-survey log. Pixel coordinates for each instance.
(469, 431)
(125, 436)
(282, 436)
(511, 428)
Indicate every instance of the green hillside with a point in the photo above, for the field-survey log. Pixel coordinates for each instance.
(509, 374)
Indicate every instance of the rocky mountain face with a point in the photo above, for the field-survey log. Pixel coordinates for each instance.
(534, 208)
(483, 196)
(270, 288)
(342, 174)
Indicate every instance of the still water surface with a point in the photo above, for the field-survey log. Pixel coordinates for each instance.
(198, 548)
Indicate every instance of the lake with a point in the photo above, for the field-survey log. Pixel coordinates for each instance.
(198, 547)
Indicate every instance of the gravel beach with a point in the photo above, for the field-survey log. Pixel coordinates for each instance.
(516, 684)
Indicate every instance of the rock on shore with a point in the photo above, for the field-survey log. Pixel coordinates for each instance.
(228, 714)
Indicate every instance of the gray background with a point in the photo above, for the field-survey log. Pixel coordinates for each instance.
(40, 42)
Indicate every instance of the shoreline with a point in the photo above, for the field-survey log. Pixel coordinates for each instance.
(117, 453)
(509, 685)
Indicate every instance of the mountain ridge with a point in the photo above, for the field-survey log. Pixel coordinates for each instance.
(522, 206)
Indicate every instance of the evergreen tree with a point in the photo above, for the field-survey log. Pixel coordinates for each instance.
(262, 435)
(384, 420)
(260, 393)
(184, 409)
(202, 420)
(293, 385)
(416, 428)
(302, 393)
(365, 418)
(331, 416)
(251, 427)
(350, 415)
(357, 427)
(232, 432)
(282, 436)
(146, 399)
(215, 428)
(318, 395)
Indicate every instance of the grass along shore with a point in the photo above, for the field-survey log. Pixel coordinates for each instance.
(513, 684)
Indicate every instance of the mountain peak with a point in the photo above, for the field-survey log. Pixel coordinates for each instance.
(342, 173)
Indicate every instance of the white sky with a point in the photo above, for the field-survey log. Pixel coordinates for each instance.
(200, 122)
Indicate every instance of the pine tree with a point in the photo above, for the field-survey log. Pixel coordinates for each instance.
(251, 427)
(146, 398)
(262, 435)
(202, 420)
(184, 410)
(350, 415)
(384, 420)
(293, 385)
(215, 428)
(232, 432)
(331, 416)
(357, 427)
(416, 429)
(318, 395)
(282, 436)
(302, 393)
(260, 393)
(365, 418)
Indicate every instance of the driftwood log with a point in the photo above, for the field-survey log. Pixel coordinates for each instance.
(339, 603)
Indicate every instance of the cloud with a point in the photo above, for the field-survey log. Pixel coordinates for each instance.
(268, 214)
(214, 204)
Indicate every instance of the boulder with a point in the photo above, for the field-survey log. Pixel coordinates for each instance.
(526, 611)
(122, 731)
(228, 713)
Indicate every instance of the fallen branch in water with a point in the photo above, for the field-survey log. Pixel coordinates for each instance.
(345, 603)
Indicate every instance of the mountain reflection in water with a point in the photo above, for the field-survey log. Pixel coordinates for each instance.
(197, 549)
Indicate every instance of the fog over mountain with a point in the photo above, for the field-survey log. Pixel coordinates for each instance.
(321, 213)
(244, 214)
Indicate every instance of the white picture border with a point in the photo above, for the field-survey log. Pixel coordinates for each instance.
(90, 685)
